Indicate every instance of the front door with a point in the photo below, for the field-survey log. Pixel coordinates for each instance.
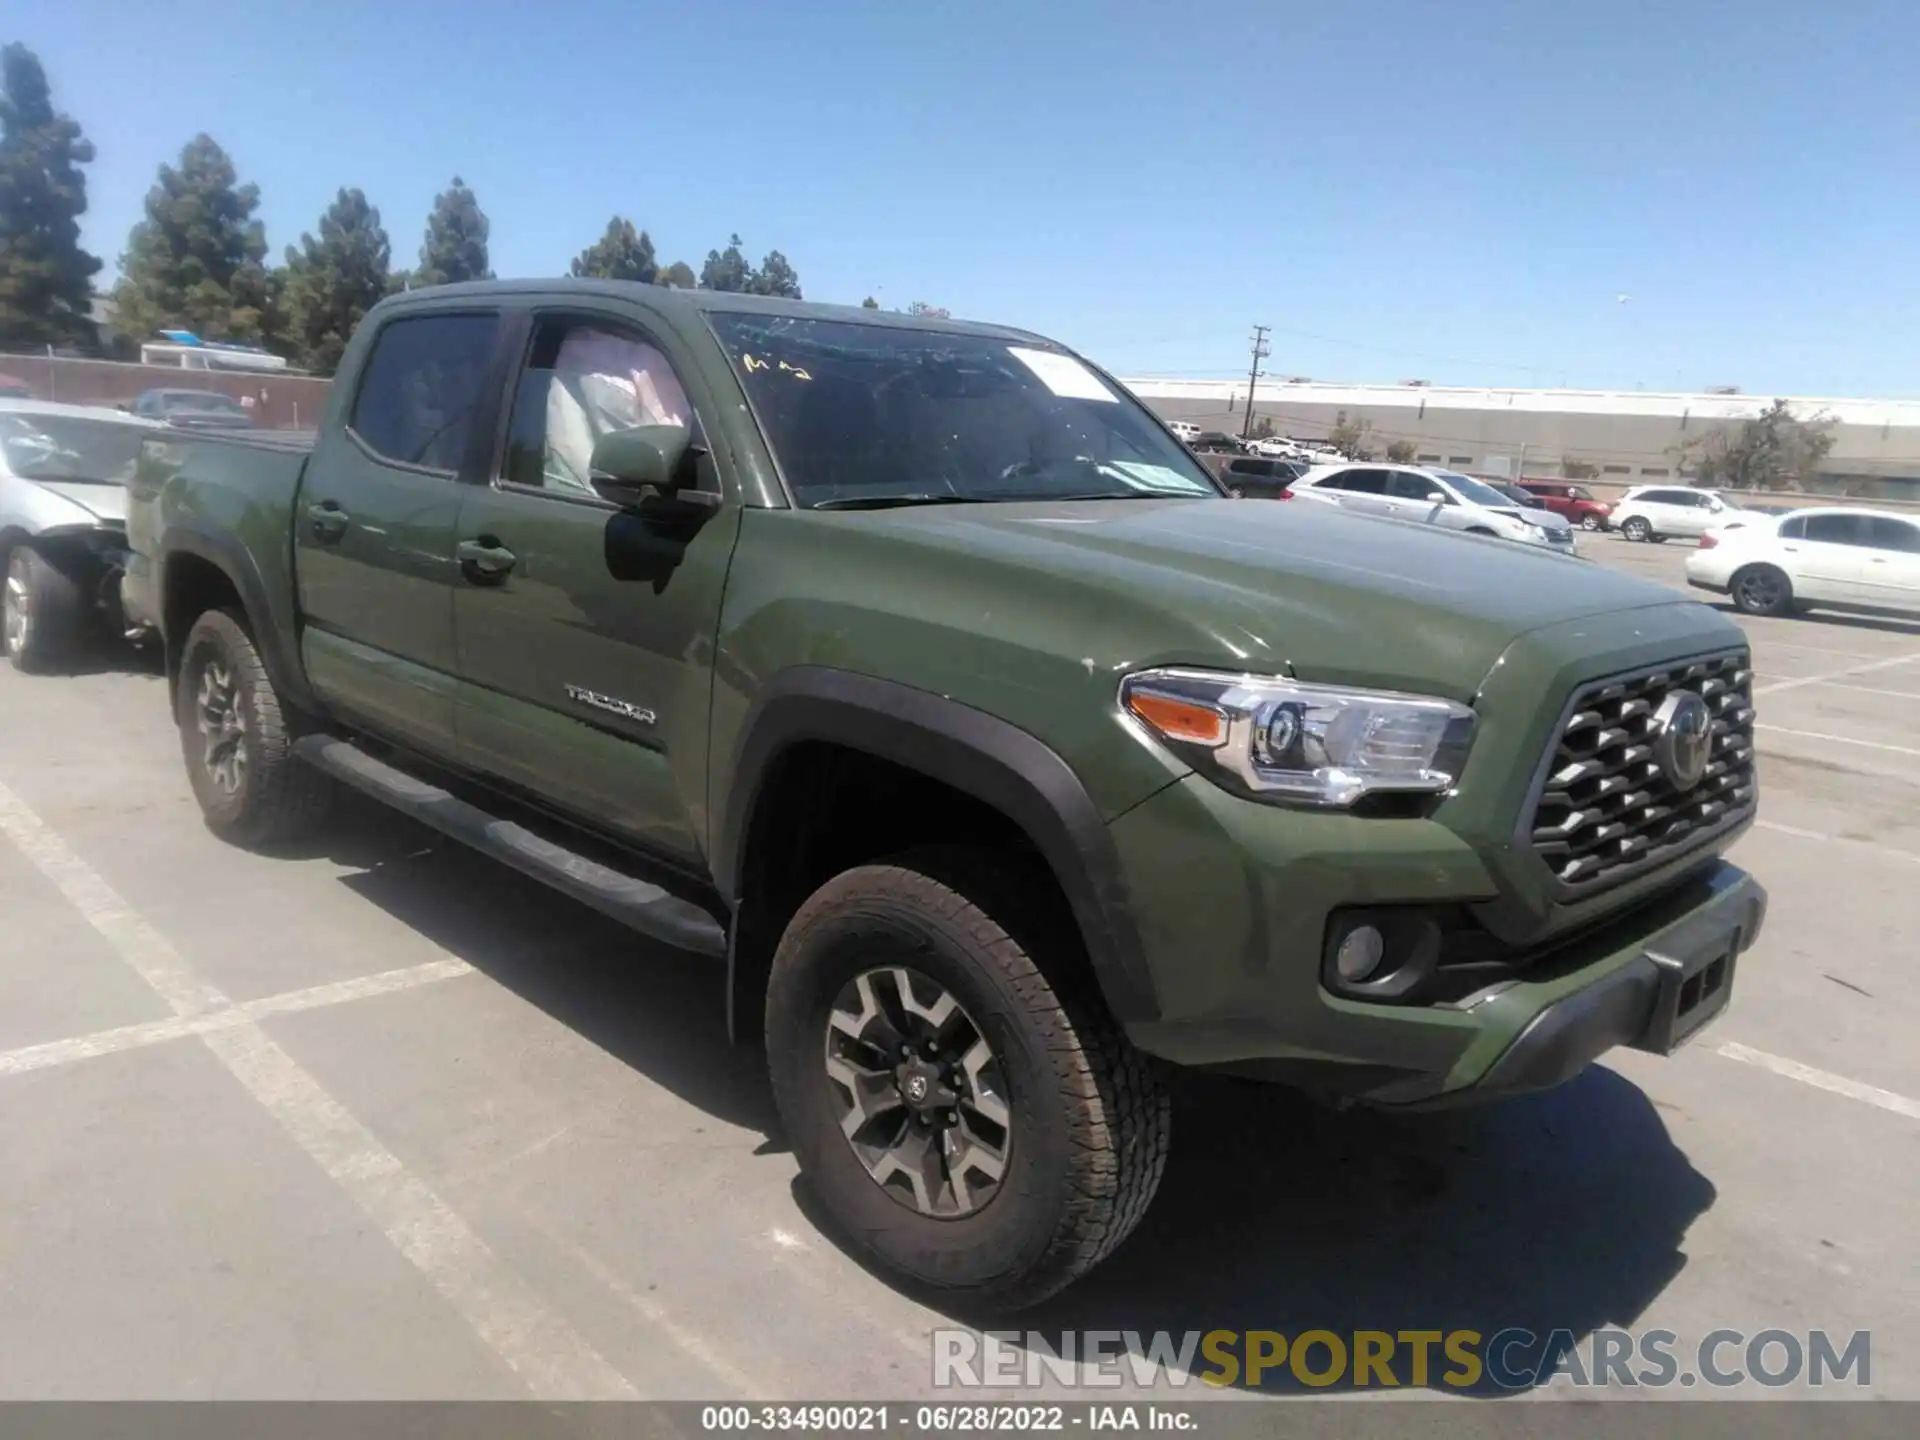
(585, 630)
(1831, 558)
(373, 532)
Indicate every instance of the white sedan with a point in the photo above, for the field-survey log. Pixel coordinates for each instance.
(1838, 559)
(1438, 497)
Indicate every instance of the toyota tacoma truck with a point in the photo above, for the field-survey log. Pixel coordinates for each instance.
(919, 676)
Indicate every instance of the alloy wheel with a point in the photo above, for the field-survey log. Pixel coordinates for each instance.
(1759, 590)
(1589, 522)
(18, 602)
(222, 725)
(922, 1098)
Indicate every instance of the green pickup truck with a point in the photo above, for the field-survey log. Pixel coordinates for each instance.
(917, 674)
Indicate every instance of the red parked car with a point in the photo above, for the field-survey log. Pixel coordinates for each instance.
(1575, 502)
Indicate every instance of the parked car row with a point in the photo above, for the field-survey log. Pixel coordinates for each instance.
(1439, 497)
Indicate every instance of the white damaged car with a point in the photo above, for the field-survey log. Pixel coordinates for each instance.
(63, 522)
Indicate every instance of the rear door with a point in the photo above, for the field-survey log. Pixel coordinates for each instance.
(1832, 558)
(584, 629)
(1357, 488)
(374, 521)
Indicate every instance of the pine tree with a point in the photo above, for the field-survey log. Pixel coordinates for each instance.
(456, 245)
(623, 253)
(775, 277)
(196, 260)
(334, 278)
(46, 279)
(726, 269)
(869, 304)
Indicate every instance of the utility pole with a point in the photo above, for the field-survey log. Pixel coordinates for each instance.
(1260, 352)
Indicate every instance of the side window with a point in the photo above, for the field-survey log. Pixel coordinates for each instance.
(1794, 529)
(1889, 534)
(1365, 482)
(1402, 486)
(585, 379)
(1838, 529)
(420, 387)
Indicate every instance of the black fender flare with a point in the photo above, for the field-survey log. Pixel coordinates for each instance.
(972, 751)
(272, 623)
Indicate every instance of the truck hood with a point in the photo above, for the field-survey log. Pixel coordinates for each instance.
(1273, 586)
(100, 501)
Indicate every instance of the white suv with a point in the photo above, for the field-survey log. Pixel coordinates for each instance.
(1657, 512)
(1438, 497)
(1837, 559)
(1185, 429)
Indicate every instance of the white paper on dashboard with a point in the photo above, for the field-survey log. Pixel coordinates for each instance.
(1064, 375)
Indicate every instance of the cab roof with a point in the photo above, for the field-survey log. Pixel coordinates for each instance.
(670, 299)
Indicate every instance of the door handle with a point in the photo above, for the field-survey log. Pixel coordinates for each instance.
(329, 521)
(484, 561)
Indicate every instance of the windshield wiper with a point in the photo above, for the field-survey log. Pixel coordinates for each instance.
(889, 502)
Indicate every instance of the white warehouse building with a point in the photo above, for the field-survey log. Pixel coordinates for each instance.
(1627, 437)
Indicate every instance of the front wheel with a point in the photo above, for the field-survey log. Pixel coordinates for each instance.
(41, 611)
(237, 742)
(969, 1120)
(1637, 530)
(1762, 590)
(1592, 522)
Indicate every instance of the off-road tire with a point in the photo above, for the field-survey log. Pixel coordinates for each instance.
(1637, 530)
(1762, 590)
(1090, 1115)
(280, 798)
(56, 611)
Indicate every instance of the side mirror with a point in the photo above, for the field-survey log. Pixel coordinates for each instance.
(1435, 497)
(630, 467)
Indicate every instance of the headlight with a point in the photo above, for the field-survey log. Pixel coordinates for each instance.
(1284, 740)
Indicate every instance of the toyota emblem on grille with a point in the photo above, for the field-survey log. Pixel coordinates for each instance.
(1683, 734)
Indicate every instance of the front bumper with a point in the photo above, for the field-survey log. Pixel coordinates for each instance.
(1234, 901)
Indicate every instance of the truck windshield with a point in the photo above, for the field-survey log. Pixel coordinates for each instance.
(60, 447)
(880, 414)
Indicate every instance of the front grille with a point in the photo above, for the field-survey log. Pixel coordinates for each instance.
(1608, 806)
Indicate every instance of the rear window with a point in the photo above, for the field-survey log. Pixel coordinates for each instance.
(420, 387)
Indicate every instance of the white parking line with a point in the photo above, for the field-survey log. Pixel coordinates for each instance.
(539, 1346)
(1840, 739)
(1874, 690)
(1822, 1079)
(157, 1032)
(1779, 686)
(1821, 835)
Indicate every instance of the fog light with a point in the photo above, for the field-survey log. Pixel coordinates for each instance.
(1359, 954)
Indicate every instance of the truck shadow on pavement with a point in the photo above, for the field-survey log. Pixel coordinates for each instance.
(1559, 1212)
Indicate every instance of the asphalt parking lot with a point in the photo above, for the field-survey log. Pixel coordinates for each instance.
(384, 1120)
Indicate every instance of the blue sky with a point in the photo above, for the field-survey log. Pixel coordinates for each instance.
(1400, 188)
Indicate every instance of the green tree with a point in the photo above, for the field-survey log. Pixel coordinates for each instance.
(932, 312)
(335, 277)
(46, 279)
(1262, 428)
(1775, 450)
(196, 260)
(1401, 452)
(775, 277)
(726, 269)
(623, 253)
(1574, 469)
(1349, 436)
(679, 275)
(456, 244)
(869, 304)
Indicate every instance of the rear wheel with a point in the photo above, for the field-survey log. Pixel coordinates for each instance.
(237, 741)
(1637, 530)
(1762, 590)
(973, 1124)
(41, 611)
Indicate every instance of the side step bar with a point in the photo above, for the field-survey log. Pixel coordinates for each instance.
(646, 908)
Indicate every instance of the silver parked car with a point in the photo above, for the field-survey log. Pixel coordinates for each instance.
(1439, 497)
(63, 511)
